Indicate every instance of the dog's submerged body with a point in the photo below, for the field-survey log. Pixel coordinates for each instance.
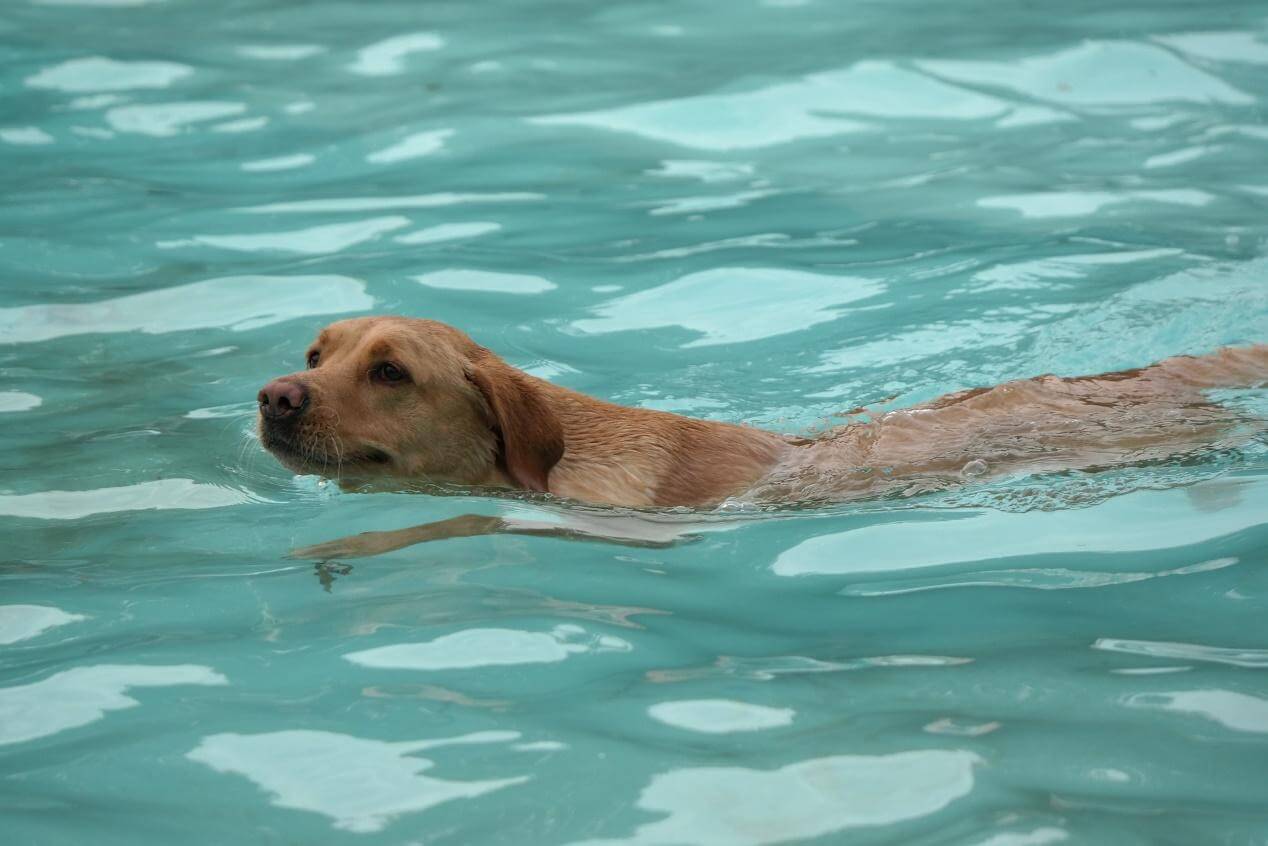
(407, 401)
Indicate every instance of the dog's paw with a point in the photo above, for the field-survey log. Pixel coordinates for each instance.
(356, 546)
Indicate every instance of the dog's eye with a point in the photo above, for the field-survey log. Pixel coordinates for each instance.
(387, 372)
(313, 358)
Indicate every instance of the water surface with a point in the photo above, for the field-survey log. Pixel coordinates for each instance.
(758, 211)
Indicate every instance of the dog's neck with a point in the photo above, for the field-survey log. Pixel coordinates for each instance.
(640, 457)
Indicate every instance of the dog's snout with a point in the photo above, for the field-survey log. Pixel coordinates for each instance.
(282, 398)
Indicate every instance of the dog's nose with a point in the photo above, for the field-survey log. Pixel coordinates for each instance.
(282, 398)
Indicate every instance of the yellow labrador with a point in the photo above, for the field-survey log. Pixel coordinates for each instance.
(402, 401)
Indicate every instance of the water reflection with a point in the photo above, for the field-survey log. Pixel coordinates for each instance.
(1082, 203)
(731, 305)
(158, 494)
(90, 75)
(448, 232)
(1046, 273)
(162, 120)
(812, 107)
(472, 648)
(705, 171)
(280, 52)
(959, 538)
(719, 716)
(1097, 73)
(713, 202)
(236, 303)
(1033, 578)
(25, 136)
(1035, 837)
(279, 163)
(1227, 46)
(736, 806)
(769, 668)
(360, 784)
(387, 57)
(250, 124)
(83, 695)
(23, 622)
(18, 401)
(1236, 711)
(486, 280)
(411, 147)
(315, 240)
(386, 203)
(1231, 656)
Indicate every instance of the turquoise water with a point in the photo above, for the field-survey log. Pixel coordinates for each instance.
(769, 212)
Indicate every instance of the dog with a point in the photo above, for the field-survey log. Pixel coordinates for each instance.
(400, 402)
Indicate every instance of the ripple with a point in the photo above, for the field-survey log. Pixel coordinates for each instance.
(1153, 520)
(1023, 116)
(1039, 273)
(418, 201)
(486, 280)
(759, 240)
(1036, 578)
(362, 785)
(279, 163)
(1229, 46)
(250, 124)
(216, 412)
(412, 147)
(736, 806)
(448, 232)
(83, 695)
(714, 202)
(25, 136)
(1097, 73)
(929, 341)
(160, 494)
(1041, 836)
(97, 73)
(719, 716)
(731, 305)
(769, 668)
(1233, 657)
(705, 171)
(1177, 157)
(960, 728)
(162, 120)
(472, 648)
(1233, 710)
(96, 101)
(105, 4)
(1082, 203)
(23, 622)
(18, 401)
(280, 52)
(387, 57)
(236, 303)
(312, 241)
(812, 107)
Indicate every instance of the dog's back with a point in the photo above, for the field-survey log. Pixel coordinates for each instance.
(1044, 424)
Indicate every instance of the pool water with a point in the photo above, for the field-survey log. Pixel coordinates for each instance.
(753, 211)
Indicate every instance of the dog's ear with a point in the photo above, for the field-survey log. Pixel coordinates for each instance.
(530, 437)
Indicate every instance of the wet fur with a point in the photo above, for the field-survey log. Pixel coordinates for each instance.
(467, 417)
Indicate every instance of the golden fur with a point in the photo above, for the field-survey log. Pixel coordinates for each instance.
(464, 416)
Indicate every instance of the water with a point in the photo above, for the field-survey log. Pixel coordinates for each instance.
(771, 212)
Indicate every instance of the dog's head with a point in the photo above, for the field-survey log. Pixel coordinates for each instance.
(397, 398)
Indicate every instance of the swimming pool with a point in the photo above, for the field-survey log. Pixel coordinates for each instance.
(762, 211)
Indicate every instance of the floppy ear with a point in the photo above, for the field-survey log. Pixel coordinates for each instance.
(530, 437)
